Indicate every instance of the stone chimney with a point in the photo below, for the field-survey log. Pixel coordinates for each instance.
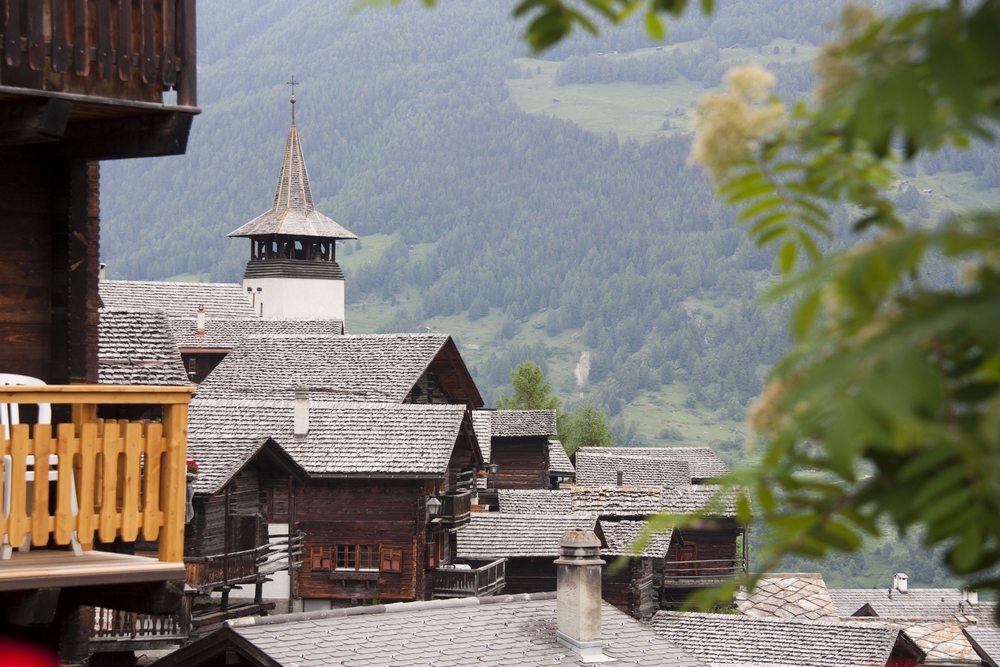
(301, 412)
(578, 606)
(970, 596)
(899, 582)
(621, 478)
(201, 320)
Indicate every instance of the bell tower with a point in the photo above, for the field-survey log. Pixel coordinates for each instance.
(293, 271)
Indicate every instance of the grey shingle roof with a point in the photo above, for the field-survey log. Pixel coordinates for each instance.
(617, 500)
(731, 640)
(504, 630)
(496, 535)
(343, 439)
(230, 333)
(178, 299)
(621, 535)
(789, 595)
(534, 501)
(694, 498)
(481, 422)
(613, 500)
(559, 463)
(704, 462)
(380, 368)
(986, 640)
(218, 461)
(942, 641)
(596, 466)
(137, 347)
(292, 212)
(524, 423)
(940, 603)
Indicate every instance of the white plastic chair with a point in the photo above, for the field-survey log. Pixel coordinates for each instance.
(9, 416)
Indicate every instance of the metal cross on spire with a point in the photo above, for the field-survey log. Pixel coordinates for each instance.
(292, 82)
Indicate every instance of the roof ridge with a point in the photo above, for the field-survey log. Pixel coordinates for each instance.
(166, 282)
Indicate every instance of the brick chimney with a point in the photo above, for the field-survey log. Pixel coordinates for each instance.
(301, 424)
(201, 320)
(578, 606)
(899, 582)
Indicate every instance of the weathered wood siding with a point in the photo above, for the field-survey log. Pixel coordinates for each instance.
(523, 463)
(630, 589)
(49, 223)
(205, 535)
(390, 513)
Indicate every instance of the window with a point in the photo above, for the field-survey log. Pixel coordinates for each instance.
(358, 556)
(392, 560)
(321, 559)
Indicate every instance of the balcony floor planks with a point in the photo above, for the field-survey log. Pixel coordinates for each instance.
(41, 568)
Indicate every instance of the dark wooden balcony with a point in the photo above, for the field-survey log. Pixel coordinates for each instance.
(91, 74)
(697, 573)
(115, 630)
(456, 508)
(450, 582)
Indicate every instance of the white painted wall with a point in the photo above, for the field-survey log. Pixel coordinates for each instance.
(297, 298)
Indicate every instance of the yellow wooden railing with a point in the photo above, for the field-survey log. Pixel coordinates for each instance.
(128, 477)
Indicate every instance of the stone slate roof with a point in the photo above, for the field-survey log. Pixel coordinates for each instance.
(789, 595)
(491, 631)
(524, 423)
(729, 640)
(939, 603)
(227, 300)
(381, 368)
(535, 501)
(985, 639)
(492, 535)
(704, 462)
(343, 439)
(559, 463)
(595, 466)
(617, 500)
(942, 641)
(137, 347)
(481, 422)
(619, 536)
(230, 333)
(293, 212)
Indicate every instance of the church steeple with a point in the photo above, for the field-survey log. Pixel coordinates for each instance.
(292, 265)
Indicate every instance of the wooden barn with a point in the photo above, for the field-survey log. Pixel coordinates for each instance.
(227, 542)
(631, 585)
(519, 448)
(79, 83)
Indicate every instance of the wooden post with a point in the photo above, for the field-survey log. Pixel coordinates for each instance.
(291, 532)
(175, 435)
(187, 78)
(227, 528)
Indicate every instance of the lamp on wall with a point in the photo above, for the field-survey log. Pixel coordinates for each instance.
(433, 506)
(493, 468)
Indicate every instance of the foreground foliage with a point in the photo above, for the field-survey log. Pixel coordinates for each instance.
(887, 405)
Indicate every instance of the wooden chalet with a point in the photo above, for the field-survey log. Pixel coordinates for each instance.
(227, 541)
(389, 486)
(519, 449)
(674, 565)
(81, 82)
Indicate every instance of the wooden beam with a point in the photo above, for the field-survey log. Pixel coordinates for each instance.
(37, 607)
(152, 135)
(33, 121)
(100, 394)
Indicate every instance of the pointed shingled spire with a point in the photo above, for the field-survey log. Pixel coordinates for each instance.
(293, 212)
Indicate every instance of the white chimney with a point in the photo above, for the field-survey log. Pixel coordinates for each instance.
(101, 269)
(621, 478)
(201, 320)
(578, 605)
(970, 596)
(301, 411)
(899, 582)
